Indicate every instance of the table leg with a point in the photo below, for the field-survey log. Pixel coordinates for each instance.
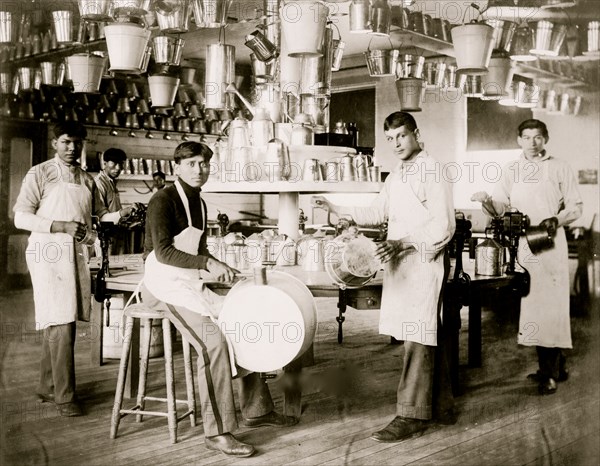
(292, 386)
(96, 332)
(451, 330)
(475, 330)
(342, 299)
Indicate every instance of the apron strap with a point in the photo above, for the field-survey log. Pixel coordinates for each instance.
(186, 204)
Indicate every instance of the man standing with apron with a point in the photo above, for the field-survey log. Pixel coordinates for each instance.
(175, 253)
(417, 204)
(56, 203)
(545, 189)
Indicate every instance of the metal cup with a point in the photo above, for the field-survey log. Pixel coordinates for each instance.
(347, 169)
(332, 171)
(63, 25)
(7, 30)
(312, 170)
(338, 54)
(375, 174)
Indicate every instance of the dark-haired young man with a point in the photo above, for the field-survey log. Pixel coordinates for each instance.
(416, 202)
(544, 188)
(56, 204)
(175, 251)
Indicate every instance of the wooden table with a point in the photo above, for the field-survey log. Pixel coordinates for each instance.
(128, 271)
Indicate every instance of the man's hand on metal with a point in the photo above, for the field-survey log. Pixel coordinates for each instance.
(75, 229)
(550, 224)
(387, 250)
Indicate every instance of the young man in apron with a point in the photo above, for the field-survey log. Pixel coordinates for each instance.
(175, 253)
(114, 161)
(545, 189)
(416, 202)
(56, 203)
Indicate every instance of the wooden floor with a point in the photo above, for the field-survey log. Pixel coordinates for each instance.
(348, 394)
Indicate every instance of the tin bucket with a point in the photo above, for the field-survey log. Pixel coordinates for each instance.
(276, 317)
(411, 93)
(495, 83)
(593, 37)
(5, 82)
(211, 13)
(539, 239)
(167, 50)
(26, 78)
(549, 38)
(62, 21)
(85, 72)
(410, 66)
(53, 74)
(220, 72)
(473, 46)
(163, 90)
(8, 31)
(173, 17)
(132, 7)
(381, 63)
(96, 10)
(303, 26)
(435, 73)
(504, 32)
(350, 260)
(126, 43)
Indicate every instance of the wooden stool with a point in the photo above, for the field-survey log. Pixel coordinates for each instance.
(143, 312)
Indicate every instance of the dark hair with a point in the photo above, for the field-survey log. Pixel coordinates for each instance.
(159, 174)
(188, 149)
(114, 155)
(70, 128)
(398, 119)
(534, 124)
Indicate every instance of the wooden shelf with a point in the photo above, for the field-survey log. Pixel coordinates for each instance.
(541, 75)
(301, 187)
(409, 38)
(57, 54)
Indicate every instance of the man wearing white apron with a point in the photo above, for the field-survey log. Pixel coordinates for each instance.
(545, 189)
(175, 252)
(56, 203)
(417, 204)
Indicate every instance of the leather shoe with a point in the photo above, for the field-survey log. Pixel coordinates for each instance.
(401, 428)
(71, 409)
(563, 375)
(228, 444)
(270, 419)
(547, 387)
(45, 397)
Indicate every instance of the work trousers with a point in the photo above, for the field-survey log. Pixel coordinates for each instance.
(551, 361)
(425, 391)
(214, 371)
(57, 364)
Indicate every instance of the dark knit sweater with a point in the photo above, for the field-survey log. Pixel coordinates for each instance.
(166, 218)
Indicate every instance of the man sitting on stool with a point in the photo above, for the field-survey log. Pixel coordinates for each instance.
(175, 252)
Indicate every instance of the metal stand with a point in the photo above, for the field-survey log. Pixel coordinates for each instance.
(342, 300)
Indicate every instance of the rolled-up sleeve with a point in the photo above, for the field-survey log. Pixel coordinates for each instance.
(28, 202)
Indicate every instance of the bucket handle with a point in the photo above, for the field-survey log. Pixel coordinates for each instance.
(373, 37)
(339, 37)
(475, 7)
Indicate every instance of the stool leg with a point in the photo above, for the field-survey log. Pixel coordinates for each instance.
(141, 397)
(189, 380)
(116, 413)
(170, 381)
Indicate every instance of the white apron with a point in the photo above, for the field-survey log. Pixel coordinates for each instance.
(179, 286)
(57, 263)
(408, 306)
(544, 319)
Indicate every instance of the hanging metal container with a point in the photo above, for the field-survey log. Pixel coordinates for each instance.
(593, 38)
(8, 31)
(132, 7)
(411, 93)
(435, 73)
(53, 74)
(410, 66)
(263, 48)
(549, 38)
(167, 50)
(127, 43)
(211, 13)
(380, 17)
(359, 16)
(381, 63)
(173, 16)
(495, 83)
(220, 72)
(473, 47)
(504, 32)
(62, 21)
(303, 26)
(488, 258)
(96, 10)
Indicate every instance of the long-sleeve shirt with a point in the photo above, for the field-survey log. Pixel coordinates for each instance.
(107, 187)
(562, 199)
(425, 178)
(166, 218)
(40, 180)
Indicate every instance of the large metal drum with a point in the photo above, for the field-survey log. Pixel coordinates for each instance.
(271, 324)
